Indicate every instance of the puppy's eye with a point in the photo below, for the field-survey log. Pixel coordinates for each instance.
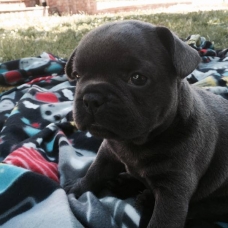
(75, 75)
(138, 79)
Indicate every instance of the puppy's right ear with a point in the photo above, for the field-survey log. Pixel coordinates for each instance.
(69, 66)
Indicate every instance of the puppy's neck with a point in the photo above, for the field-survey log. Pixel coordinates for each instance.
(181, 116)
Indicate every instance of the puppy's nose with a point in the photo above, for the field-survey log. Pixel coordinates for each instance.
(93, 101)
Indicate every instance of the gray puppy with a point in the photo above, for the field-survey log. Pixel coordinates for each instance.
(131, 90)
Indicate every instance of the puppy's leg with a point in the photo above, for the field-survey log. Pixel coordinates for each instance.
(105, 167)
(168, 214)
(171, 207)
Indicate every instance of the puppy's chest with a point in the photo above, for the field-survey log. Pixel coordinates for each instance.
(143, 161)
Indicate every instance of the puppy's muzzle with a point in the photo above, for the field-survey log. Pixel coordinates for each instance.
(93, 101)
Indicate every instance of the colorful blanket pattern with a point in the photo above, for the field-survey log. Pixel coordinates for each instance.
(41, 150)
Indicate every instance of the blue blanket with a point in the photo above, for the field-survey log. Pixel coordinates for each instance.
(41, 149)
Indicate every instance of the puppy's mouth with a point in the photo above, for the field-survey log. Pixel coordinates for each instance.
(104, 129)
(101, 132)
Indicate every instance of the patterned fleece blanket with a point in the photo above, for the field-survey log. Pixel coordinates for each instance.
(41, 150)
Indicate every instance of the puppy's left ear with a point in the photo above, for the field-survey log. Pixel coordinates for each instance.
(69, 66)
(185, 58)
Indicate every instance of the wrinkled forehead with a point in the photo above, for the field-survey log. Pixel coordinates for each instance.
(123, 35)
(115, 44)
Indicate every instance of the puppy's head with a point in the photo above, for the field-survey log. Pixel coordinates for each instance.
(127, 79)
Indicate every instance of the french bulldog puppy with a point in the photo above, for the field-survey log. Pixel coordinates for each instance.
(131, 90)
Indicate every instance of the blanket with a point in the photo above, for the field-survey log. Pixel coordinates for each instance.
(41, 149)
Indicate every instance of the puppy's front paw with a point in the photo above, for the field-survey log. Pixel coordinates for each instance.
(75, 188)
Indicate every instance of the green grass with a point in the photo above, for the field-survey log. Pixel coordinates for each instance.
(60, 35)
